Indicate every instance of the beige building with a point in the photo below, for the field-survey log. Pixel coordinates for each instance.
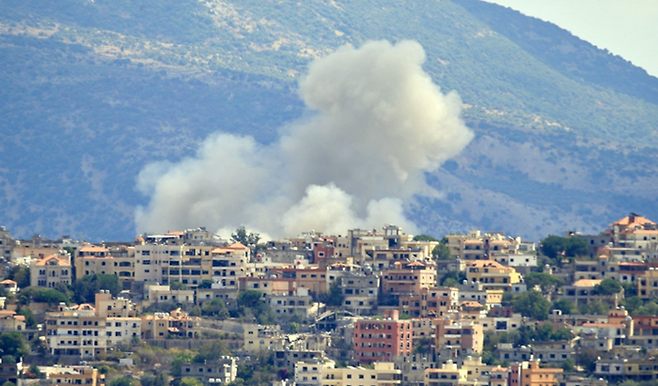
(309, 373)
(163, 293)
(448, 375)
(10, 321)
(383, 374)
(49, 271)
(76, 331)
(492, 275)
(75, 375)
(408, 278)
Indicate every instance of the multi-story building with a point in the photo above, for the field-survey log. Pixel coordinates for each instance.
(581, 292)
(492, 275)
(88, 331)
(50, 271)
(478, 246)
(647, 284)
(260, 338)
(299, 302)
(430, 303)
(11, 321)
(448, 375)
(383, 374)
(408, 278)
(360, 291)
(75, 375)
(164, 293)
(377, 340)
(76, 331)
(92, 259)
(216, 372)
(309, 373)
(230, 263)
(163, 325)
(531, 374)
(6, 243)
(461, 337)
(470, 291)
(312, 278)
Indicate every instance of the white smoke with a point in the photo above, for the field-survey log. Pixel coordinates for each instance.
(380, 124)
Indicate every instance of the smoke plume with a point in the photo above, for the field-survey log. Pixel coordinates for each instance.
(379, 124)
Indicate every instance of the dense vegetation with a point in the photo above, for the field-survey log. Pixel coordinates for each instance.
(101, 88)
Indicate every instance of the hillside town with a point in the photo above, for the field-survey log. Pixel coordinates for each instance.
(369, 307)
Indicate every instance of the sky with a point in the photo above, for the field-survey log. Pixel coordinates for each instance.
(624, 27)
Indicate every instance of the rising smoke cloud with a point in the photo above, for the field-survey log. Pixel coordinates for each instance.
(380, 124)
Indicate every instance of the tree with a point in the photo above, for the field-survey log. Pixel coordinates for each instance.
(572, 246)
(121, 381)
(650, 308)
(441, 252)
(180, 358)
(216, 309)
(587, 358)
(608, 287)
(211, 351)
(452, 278)
(564, 305)
(424, 237)
(86, 288)
(177, 285)
(595, 308)
(632, 303)
(246, 239)
(547, 282)
(20, 274)
(42, 295)
(189, 381)
(250, 303)
(334, 297)
(30, 322)
(568, 366)
(13, 343)
(531, 304)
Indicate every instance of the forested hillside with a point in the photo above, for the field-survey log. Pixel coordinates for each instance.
(94, 90)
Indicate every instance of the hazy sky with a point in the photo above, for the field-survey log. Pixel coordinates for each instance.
(625, 27)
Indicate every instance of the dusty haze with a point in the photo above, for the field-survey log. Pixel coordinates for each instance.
(379, 124)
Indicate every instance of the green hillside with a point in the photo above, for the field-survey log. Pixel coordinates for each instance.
(94, 90)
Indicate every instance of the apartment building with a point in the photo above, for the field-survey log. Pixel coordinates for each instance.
(309, 373)
(492, 275)
(216, 372)
(377, 340)
(230, 263)
(430, 302)
(76, 331)
(408, 278)
(529, 373)
(462, 337)
(383, 374)
(312, 278)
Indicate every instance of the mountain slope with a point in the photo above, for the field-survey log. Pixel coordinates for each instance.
(94, 90)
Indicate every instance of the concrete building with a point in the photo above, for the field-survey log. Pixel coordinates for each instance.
(309, 373)
(492, 275)
(408, 278)
(50, 271)
(531, 374)
(75, 375)
(430, 303)
(216, 372)
(377, 340)
(383, 374)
